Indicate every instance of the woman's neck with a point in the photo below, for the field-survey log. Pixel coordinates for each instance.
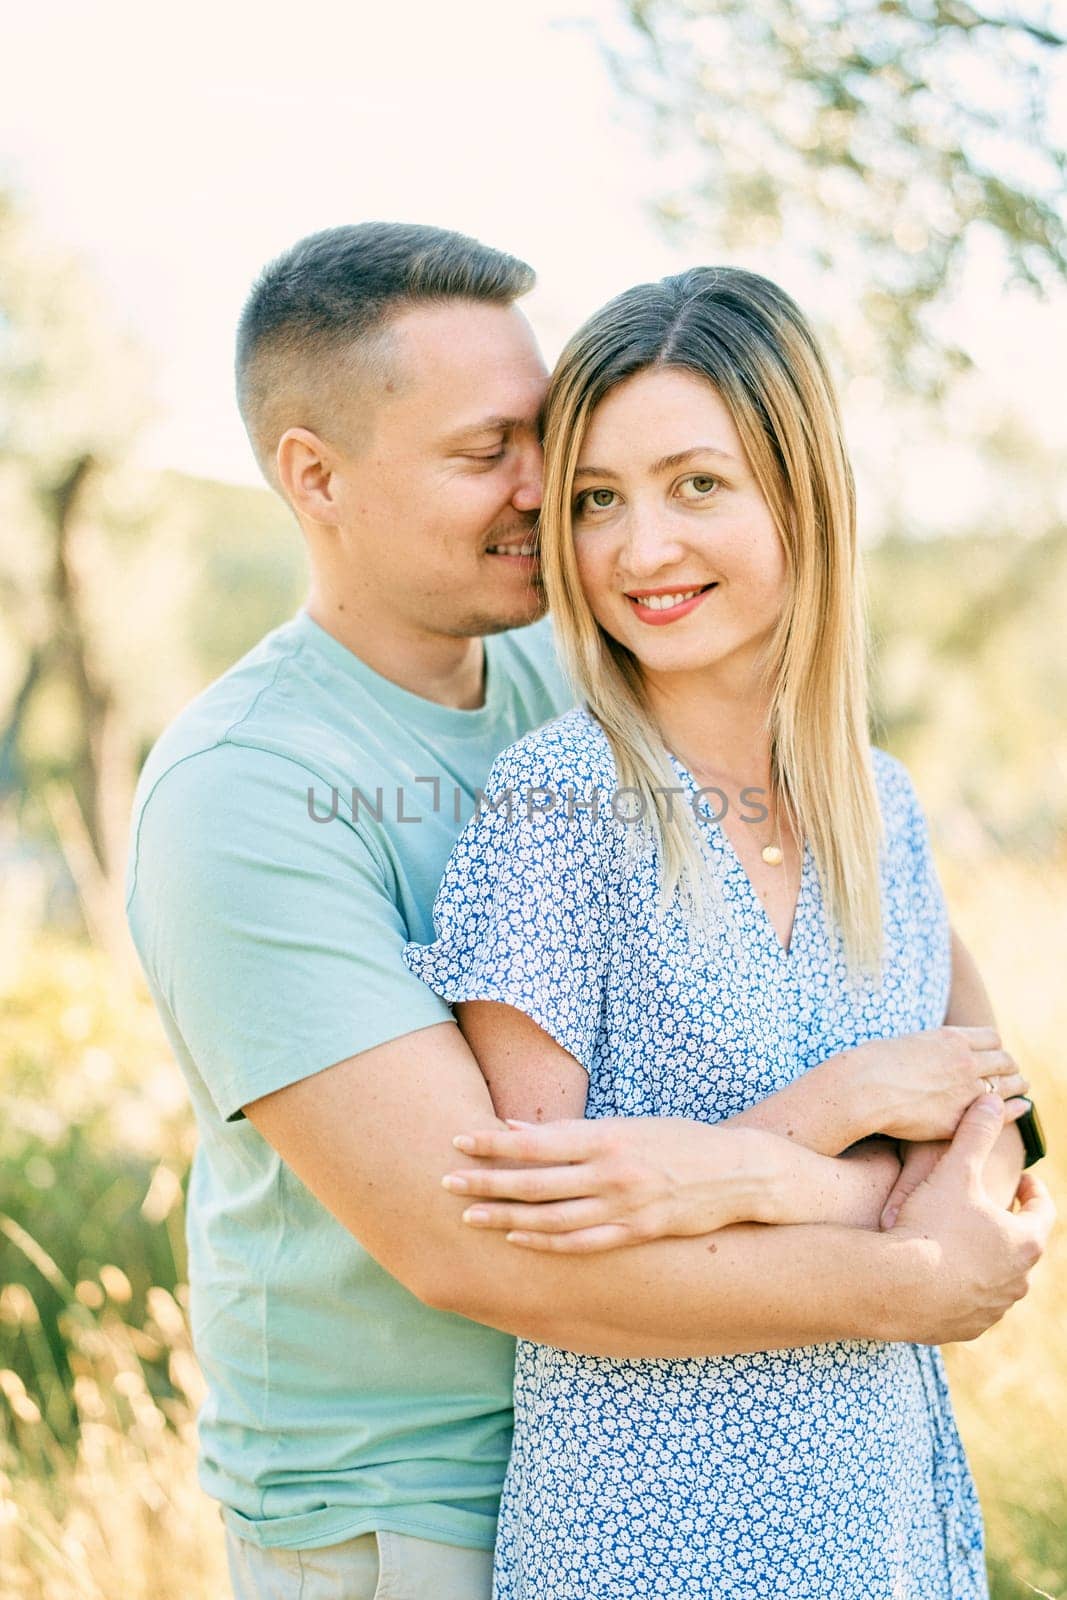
(716, 731)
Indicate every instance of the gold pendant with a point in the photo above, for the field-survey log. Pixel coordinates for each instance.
(772, 855)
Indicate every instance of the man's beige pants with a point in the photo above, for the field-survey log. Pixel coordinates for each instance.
(375, 1566)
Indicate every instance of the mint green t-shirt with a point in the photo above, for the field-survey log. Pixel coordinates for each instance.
(272, 932)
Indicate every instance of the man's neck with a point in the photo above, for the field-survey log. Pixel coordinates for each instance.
(449, 671)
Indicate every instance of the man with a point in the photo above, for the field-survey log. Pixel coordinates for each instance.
(290, 830)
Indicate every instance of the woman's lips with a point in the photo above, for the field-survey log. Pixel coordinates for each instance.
(659, 616)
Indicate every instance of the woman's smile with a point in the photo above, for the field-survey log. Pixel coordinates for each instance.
(657, 607)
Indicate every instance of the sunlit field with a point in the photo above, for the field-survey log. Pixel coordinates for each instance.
(1011, 1385)
(98, 1387)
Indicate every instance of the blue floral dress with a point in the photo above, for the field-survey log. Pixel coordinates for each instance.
(833, 1471)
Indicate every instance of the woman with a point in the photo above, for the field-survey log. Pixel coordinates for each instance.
(616, 946)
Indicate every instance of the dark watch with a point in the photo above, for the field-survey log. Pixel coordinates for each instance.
(1033, 1135)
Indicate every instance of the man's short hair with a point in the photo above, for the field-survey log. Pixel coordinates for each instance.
(314, 333)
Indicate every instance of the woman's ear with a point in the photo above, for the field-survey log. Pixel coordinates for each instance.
(305, 468)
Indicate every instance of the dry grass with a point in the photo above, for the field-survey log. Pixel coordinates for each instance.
(1011, 1385)
(103, 1502)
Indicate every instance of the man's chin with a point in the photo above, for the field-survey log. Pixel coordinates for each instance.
(531, 607)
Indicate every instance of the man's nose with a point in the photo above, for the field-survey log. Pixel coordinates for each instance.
(527, 493)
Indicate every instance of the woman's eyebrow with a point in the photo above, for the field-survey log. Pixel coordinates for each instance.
(664, 464)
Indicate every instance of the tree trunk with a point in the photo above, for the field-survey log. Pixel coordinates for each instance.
(92, 827)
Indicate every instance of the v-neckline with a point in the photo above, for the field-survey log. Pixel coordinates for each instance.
(784, 952)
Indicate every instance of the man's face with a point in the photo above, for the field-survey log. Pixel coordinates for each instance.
(438, 509)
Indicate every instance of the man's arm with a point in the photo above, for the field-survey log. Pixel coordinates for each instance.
(277, 947)
(371, 1136)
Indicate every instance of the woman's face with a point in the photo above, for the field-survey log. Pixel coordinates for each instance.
(677, 552)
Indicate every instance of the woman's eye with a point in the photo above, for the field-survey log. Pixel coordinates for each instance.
(700, 485)
(594, 500)
(497, 455)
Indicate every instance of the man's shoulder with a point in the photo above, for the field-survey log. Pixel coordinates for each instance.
(221, 720)
(529, 658)
(243, 764)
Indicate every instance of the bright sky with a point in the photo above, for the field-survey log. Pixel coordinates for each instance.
(180, 148)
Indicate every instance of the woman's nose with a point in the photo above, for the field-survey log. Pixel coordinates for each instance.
(650, 546)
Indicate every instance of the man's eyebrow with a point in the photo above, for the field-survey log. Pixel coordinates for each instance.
(488, 425)
(664, 464)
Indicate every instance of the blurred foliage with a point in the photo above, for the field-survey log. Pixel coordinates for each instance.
(873, 140)
(104, 1501)
(195, 573)
(72, 390)
(95, 1141)
(245, 557)
(970, 682)
(98, 1384)
(110, 567)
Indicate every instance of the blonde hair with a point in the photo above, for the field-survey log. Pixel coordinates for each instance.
(751, 343)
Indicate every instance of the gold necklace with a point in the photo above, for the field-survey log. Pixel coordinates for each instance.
(772, 853)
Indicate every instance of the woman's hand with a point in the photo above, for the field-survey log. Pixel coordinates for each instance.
(585, 1185)
(579, 1186)
(919, 1086)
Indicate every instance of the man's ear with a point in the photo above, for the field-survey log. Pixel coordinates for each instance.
(305, 467)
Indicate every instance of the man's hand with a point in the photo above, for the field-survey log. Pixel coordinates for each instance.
(1002, 1173)
(370, 1138)
(983, 1255)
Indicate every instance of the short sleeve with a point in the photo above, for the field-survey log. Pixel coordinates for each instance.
(522, 915)
(916, 909)
(274, 941)
(909, 830)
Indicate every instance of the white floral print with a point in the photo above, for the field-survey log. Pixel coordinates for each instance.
(833, 1472)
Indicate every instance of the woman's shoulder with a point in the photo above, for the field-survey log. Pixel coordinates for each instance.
(569, 753)
(899, 803)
